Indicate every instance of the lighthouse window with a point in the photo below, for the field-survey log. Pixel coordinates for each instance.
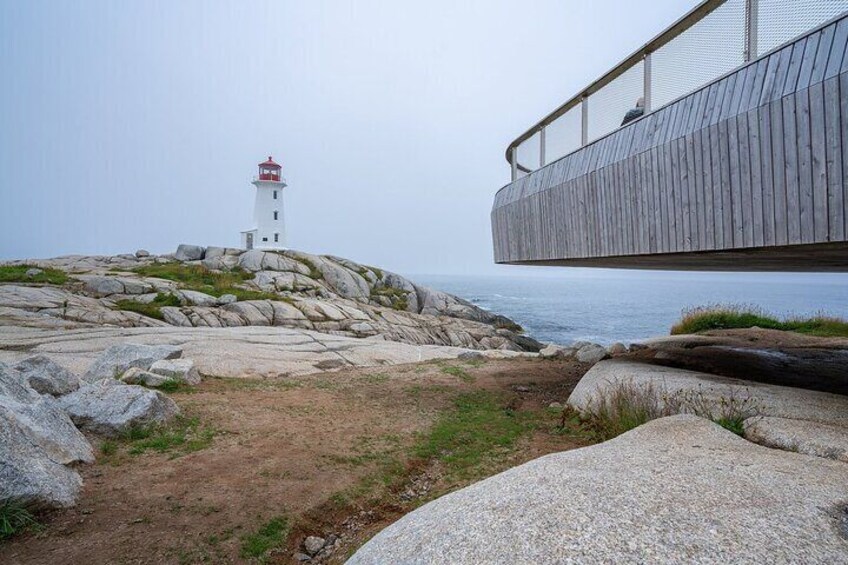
(275, 214)
(275, 195)
(276, 238)
(264, 239)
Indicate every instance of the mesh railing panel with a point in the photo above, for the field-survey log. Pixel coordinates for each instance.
(562, 136)
(608, 106)
(528, 153)
(704, 52)
(782, 20)
(712, 47)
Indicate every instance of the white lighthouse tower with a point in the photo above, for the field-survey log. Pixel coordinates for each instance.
(269, 231)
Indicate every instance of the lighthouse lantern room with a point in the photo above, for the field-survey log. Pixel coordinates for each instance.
(269, 231)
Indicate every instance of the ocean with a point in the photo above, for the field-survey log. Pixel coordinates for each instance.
(606, 306)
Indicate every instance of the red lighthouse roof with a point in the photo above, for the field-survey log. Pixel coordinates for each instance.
(270, 163)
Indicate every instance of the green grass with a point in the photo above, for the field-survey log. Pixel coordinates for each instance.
(399, 298)
(272, 535)
(14, 519)
(314, 272)
(182, 436)
(459, 373)
(152, 309)
(201, 279)
(718, 317)
(17, 273)
(625, 405)
(479, 428)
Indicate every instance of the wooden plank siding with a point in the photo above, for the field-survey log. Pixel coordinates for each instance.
(757, 159)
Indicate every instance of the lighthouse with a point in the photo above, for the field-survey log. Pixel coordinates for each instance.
(269, 224)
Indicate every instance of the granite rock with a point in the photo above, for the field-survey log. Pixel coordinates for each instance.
(688, 492)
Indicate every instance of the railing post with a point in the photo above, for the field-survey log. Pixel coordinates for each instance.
(584, 121)
(542, 147)
(646, 87)
(514, 163)
(752, 16)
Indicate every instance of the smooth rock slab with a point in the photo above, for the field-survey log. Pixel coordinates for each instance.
(115, 361)
(109, 409)
(803, 436)
(47, 377)
(676, 490)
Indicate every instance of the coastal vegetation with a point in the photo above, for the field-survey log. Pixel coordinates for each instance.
(15, 518)
(201, 279)
(722, 317)
(18, 274)
(152, 309)
(272, 535)
(625, 405)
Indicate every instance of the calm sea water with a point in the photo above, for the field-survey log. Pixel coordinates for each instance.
(607, 306)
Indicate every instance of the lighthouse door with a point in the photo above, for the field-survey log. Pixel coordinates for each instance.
(250, 241)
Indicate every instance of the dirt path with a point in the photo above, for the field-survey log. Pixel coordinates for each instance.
(307, 450)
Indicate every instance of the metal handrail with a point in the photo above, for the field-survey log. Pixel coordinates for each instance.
(691, 18)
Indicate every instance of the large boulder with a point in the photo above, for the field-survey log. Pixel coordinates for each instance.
(189, 252)
(676, 490)
(111, 409)
(113, 362)
(41, 420)
(180, 370)
(28, 475)
(136, 376)
(37, 441)
(591, 353)
(47, 377)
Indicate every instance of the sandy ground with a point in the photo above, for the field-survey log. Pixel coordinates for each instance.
(281, 447)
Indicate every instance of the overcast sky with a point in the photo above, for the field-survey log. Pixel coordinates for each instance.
(127, 125)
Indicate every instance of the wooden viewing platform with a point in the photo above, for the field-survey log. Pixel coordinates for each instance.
(746, 173)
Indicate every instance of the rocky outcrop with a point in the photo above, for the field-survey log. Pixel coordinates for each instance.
(113, 362)
(676, 490)
(323, 293)
(806, 421)
(47, 377)
(37, 443)
(110, 409)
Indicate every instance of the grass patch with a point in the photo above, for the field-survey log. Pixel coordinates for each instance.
(14, 519)
(272, 535)
(625, 405)
(375, 378)
(397, 297)
(182, 436)
(314, 272)
(479, 428)
(459, 373)
(17, 273)
(718, 317)
(376, 271)
(201, 279)
(152, 309)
